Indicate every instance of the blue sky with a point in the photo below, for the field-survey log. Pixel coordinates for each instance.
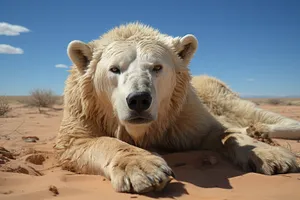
(254, 46)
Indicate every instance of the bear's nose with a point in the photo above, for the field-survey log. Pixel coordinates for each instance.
(139, 101)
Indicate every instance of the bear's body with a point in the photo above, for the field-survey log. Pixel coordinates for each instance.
(131, 91)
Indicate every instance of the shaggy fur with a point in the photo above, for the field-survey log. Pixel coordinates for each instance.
(199, 113)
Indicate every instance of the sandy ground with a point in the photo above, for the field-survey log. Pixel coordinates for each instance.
(28, 172)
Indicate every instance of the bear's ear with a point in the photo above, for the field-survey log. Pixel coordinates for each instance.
(80, 54)
(187, 47)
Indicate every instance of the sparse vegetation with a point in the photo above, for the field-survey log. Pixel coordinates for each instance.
(4, 106)
(42, 98)
(60, 100)
(274, 101)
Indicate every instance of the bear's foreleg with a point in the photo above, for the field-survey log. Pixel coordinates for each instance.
(256, 156)
(129, 168)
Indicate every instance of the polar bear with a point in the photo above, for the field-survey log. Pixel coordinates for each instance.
(130, 91)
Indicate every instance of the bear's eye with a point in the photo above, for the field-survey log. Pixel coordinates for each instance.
(157, 68)
(115, 70)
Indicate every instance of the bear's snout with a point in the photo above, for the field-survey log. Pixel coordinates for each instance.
(139, 101)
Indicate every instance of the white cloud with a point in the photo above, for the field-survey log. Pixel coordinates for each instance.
(7, 49)
(12, 30)
(250, 79)
(61, 66)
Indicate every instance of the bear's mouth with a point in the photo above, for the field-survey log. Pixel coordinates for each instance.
(139, 120)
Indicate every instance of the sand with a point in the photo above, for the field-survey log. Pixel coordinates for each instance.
(28, 171)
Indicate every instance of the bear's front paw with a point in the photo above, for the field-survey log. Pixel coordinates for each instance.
(140, 173)
(272, 160)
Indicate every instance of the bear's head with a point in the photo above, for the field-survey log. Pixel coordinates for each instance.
(135, 71)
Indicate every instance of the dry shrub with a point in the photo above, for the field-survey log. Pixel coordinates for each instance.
(4, 106)
(42, 98)
(274, 101)
(60, 100)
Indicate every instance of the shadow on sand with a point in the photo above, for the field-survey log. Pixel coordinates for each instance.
(190, 168)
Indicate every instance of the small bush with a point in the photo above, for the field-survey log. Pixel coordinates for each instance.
(4, 106)
(274, 101)
(60, 100)
(42, 98)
